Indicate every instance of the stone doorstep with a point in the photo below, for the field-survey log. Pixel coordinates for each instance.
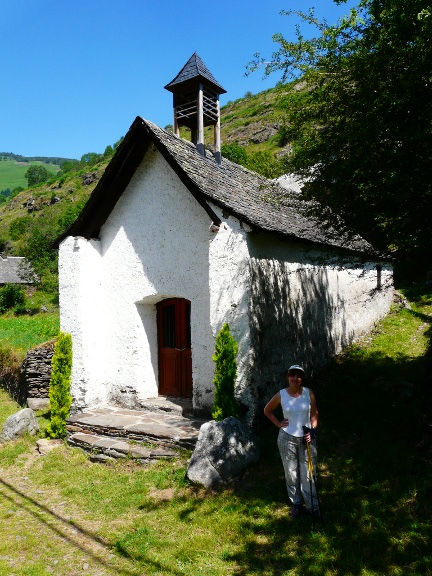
(115, 448)
(183, 441)
(182, 406)
(164, 428)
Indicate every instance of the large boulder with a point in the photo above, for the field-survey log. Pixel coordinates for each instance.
(222, 453)
(18, 424)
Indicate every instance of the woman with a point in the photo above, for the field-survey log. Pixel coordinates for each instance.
(299, 409)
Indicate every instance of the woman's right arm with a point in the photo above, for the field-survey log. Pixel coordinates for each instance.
(269, 409)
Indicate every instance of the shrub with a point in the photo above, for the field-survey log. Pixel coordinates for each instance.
(59, 387)
(11, 295)
(235, 153)
(26, 308)
(18, 227)
(265, 163)
(226, 349)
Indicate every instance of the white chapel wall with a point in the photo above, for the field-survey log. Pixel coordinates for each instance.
(83, 314)
(230, 290)
(307, 304)
(154, 245)
(284, 302)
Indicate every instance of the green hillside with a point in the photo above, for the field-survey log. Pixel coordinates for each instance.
(12, 172)
(252, 122)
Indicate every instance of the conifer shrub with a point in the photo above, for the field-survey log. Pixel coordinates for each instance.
(226, 349)
(59, 387)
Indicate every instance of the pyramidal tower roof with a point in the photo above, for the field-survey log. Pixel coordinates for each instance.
(193, 72)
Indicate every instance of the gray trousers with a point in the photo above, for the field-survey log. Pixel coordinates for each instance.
(295, 462)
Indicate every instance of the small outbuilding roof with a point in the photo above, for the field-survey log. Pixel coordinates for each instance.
(262, 204)
(13, 270)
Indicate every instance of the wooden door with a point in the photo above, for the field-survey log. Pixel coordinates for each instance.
(174, 342)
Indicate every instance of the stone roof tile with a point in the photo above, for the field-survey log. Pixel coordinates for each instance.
(261, 203)
(256, 200)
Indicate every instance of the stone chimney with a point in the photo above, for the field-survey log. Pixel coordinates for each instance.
(196, 103)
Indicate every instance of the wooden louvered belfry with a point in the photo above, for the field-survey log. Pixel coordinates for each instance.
(196, 102)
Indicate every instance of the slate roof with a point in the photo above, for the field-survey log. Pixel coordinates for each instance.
(194, 70)
(261, 203)
(12, 270)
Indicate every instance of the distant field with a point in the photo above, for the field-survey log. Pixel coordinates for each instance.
(12, 173)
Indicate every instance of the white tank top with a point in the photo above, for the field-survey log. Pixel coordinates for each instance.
(297, 410)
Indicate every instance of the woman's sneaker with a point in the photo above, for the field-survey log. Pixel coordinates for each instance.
(295, 510)
(316, 514)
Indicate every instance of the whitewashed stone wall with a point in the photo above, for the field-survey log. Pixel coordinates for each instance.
(306, 306)
(283, 301)
(154, 245)
(286, 302)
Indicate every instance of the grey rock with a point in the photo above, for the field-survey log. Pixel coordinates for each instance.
(38, 403)
(102, 458)
(223, 452)
(89, 178)
(18, 424)
(45, 445)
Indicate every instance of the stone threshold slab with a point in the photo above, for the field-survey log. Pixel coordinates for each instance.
(114, 448)
(166, 428)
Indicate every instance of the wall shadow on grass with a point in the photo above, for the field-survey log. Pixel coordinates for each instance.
(60, 526)
(375, 478)
(374, 484)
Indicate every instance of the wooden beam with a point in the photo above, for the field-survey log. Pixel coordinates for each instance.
(200, 139)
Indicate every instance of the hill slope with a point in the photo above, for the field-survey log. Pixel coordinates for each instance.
(252, 122)
(13, 168)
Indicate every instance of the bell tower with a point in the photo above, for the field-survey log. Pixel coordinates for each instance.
(196, 102)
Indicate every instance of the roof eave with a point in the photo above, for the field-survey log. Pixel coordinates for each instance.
(112, 184)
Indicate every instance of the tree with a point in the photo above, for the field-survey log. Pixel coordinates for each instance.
(36, 173)
(36, 247)
(226, 349)
(357, 99)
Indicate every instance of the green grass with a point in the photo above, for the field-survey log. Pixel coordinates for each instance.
(12, 173)
(374, 484)
(22, 333)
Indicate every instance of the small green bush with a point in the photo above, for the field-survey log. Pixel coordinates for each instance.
(226, 349)
(11, 295)
(26, 308)
(235, 153)
(59, 387)
(19, 226)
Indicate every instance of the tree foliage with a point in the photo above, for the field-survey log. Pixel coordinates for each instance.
(357, 99)
(11, 295)
(235, 153)
(226, 349)
(37, 173)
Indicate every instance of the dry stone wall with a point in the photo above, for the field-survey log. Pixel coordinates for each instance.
(36, 370)
(30, 383)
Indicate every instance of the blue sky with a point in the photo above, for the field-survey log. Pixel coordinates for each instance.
(76, 74)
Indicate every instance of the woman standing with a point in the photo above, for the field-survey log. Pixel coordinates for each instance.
(299, 409)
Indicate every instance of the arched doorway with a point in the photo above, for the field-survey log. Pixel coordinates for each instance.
(174, 344)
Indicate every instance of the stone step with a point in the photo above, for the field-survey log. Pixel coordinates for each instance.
(103, 448)
(182, 406)
(165, 428)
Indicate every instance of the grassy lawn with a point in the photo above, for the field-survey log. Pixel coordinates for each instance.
(12, 173)
(21, 333)
(61, 514)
